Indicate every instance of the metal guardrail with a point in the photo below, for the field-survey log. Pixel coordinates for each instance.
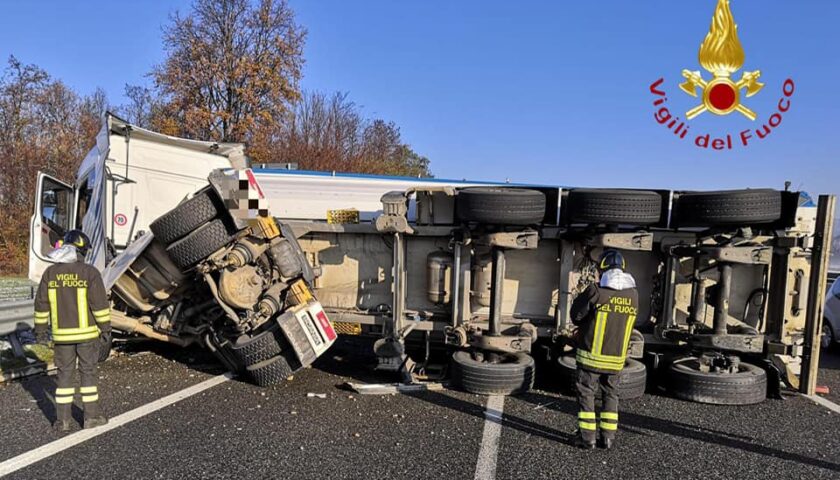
(16, 292)
(16, 316)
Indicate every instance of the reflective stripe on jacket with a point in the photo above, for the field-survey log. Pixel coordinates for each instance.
(71, 297)
(605, 318)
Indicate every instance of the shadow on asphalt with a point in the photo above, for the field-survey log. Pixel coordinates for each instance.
(193, 356)
(42, 389)
(353, 358)
(830, 359)
(511, 421)
(639, 424)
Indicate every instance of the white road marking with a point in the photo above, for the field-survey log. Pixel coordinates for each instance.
(825, 403)
(485, 468)
(45, 451)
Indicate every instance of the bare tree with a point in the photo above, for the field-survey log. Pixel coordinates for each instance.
(330, 133)
(232, 69)
(142, 107)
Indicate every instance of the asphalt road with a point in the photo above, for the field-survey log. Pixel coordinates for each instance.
(237, 430)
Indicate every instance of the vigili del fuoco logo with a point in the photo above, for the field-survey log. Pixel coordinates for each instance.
(721, 55)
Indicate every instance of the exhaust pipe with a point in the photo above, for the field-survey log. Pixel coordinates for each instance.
(126, 324)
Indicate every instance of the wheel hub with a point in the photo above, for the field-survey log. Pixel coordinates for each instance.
(716, 362)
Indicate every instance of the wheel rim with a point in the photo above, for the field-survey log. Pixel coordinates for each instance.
(692, 364)
(497, 359)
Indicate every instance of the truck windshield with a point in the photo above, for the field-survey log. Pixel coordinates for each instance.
(56, 202)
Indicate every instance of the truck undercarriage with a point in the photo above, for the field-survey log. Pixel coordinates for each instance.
(488, 275)
(229, 278)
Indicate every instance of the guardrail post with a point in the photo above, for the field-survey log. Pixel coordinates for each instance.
(816, 293)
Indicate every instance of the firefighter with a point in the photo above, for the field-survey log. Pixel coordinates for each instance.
(71, 298)
(605, 314)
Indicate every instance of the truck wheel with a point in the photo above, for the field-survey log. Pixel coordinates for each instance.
(685, 380)
(198, 245)
(614, 207)
(730, 207)
(270, 372)
(513, 374)
(186, 217)
(260, 347)
(500, 206)
(633, 377)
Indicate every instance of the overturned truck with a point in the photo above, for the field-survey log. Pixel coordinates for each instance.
(266, 267)
(488, 275)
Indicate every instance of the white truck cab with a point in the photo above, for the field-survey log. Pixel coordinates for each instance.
(129, 178)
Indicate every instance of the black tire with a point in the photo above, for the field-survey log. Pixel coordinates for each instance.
(514, 375)
(260, 347)
(633, 377)
(270, 372)
(500, 206)
(746, 387)
(613, 207)
(199, 244)
(726, 208)
(185, 218)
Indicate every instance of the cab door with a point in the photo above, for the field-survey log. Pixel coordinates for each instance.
(54, 212)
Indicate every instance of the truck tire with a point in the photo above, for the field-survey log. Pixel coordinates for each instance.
(633, 377)
(728, 207)
(746, 387)
(513, 375)
(260, 347)
(185, 218)
(500, 206)
(198, 245)
(270, 372)
(613, 207)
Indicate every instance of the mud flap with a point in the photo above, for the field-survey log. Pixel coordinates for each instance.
(774, 380)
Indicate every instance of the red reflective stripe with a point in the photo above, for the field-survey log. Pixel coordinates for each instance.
(252, 180)
(325, 325)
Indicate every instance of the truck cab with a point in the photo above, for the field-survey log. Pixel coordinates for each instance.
(130, 177)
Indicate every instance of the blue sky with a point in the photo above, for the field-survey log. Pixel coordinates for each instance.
(543, 92)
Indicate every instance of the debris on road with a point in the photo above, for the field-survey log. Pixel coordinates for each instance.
(392, 388)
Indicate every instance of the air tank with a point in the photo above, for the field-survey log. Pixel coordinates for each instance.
(482, 276)
(438, 274)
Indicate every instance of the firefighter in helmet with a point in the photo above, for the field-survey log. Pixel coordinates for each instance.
(605, 314)
(71, 299)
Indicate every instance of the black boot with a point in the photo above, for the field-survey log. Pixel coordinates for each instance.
(606, 443)
(581, 442)
(62, 426)
(93, 415)
(63, 417)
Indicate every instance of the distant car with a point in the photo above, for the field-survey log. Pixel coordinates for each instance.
(831, 322)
